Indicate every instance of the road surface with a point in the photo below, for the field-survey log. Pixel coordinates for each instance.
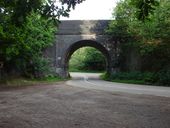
(92, 81)
(63, 106)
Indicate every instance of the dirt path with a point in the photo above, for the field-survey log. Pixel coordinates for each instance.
(62, 106)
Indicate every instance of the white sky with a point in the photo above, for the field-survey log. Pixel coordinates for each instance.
(92, 10)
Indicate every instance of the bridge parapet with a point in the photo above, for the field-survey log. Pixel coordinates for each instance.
(79, 27)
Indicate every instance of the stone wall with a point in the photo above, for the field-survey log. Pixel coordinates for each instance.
(75, 34)
(80, 27)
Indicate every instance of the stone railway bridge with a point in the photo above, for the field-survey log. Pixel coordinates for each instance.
(75, 34)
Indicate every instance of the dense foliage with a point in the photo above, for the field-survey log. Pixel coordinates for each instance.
(21, 47)
(20, 9)
(87, 59)
(150, 38)
(134, 77)
(145, 8)
(27, 27)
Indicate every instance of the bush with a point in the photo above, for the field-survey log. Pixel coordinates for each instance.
(23, 46)
(134, 77)
(87, 59)
(38, 68)
(164, 77)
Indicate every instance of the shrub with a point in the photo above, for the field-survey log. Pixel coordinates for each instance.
(87, 59)
(23, 50)
(164, 77)
(136, 77)
(38, 68)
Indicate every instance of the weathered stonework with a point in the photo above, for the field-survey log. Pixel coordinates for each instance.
(75, 34)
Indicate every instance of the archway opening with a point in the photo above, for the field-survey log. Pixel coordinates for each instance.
(87, 59)
(94, 48)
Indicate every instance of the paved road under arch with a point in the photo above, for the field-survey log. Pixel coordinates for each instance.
(92, 81)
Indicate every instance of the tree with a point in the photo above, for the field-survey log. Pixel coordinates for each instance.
(150, 38)
(27, 27)
(87, 58)
(19, 9)
(25, 44)
(145, 8)
(94, 60)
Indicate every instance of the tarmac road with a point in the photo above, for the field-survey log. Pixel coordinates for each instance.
(92, 81)
(63, 106)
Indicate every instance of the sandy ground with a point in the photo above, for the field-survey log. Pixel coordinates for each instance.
(63, 106)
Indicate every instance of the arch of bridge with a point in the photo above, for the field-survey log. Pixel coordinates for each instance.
(84, 43)
(73, 35)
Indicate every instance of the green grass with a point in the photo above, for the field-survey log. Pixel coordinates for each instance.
(49, 79)
(21, 82)
(129, 81)
(129, 77)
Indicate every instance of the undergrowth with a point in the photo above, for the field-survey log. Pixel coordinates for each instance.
(20, 82)
(148, 78)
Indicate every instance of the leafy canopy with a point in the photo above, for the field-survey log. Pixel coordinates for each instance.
(150, 38)
(19, 9)
(87, 58)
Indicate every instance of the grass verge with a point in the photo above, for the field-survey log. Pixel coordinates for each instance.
(129, 78)
(129, 81)
(21, 82)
